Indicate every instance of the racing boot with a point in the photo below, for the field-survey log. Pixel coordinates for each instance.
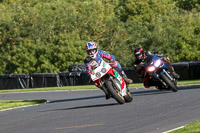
(176, 76)
(126, 79)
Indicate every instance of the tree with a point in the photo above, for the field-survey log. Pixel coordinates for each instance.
(188, 4)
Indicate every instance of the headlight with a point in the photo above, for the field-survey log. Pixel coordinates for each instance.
(103, 70)
(151, 68)
(157, 63)
(98, 74)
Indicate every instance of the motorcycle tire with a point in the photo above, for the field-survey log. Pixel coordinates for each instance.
(172, 85)
(128, 98)
(116, 95)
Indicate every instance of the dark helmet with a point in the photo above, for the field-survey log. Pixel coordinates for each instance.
(155, 52)
(139, 53)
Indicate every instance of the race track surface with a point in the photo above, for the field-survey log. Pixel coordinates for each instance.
(151, 111)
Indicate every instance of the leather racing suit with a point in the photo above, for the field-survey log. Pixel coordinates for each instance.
(101, 55)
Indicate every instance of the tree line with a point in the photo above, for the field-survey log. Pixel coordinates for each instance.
(47, 36)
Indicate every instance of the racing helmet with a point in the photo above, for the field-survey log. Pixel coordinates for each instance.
(139, 53)
(155, 52)
(91, 46)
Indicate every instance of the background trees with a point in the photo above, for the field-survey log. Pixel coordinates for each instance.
(46, 36)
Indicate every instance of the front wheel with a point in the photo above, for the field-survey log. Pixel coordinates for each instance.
(115, 93)
(169, 82)
(128, 98)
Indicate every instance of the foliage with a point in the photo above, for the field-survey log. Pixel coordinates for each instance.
(47, 36)
(188, 4)
(165, 27)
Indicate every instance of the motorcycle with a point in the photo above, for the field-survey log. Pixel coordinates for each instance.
(110, 81)
(158, 72)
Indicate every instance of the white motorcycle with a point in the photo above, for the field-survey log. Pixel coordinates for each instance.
(110, 81)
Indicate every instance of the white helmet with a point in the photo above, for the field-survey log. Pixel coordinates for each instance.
(91, 46)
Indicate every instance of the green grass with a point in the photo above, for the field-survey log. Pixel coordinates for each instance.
(193, 127)
(59, 88)
(6, 104)
(188, 82)
(50, 89)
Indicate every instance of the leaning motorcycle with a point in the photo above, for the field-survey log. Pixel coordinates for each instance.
(110, 81)
(158, 72)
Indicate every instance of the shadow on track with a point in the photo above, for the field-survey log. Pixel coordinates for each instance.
(90, 106)
(134, 93)
(150, 92)
(156, 91)
(137, 93)
(77, 99)
(189, 87)
(84, 107)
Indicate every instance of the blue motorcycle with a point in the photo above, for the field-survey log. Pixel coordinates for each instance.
(159, 73)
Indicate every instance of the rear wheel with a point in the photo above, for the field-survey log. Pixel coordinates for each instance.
(172, 85)
(115, 93)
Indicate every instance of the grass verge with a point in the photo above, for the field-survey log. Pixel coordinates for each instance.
(193, 127)
(6, 104)
(59, 88)
(188, 82)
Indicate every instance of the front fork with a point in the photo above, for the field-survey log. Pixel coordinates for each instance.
(167, 74)
(103, 88)
(100, 84)
(117, 85)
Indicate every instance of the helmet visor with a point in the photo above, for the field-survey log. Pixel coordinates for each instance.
(91, 51)
(139, 56)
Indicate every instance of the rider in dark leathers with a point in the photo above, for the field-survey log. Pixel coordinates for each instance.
(141, 58)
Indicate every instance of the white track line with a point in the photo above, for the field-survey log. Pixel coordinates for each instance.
(173, 129)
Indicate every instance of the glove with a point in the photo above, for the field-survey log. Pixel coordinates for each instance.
(112, 61)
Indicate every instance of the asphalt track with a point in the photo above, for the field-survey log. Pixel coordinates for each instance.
(87, 111)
